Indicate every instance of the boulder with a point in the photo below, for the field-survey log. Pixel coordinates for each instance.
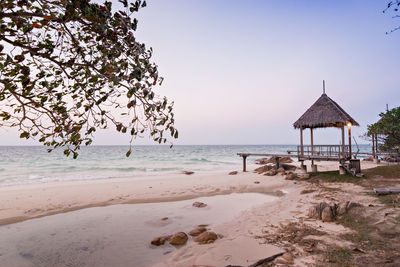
(281, 170)
(271, 172)
(291, 176)
(342, 207)
(289, 167)
(179, 238)
(262, 169)
(327, 214)
(233, 173)
(158, 241)
(206, 238)
(262, 161)
(197, 231)
(198, 204)
(316, 211)
(369, 158)
(285, 160)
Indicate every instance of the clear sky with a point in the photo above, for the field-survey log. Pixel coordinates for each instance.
(241, 72)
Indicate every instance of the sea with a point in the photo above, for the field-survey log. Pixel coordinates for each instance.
(33, 164)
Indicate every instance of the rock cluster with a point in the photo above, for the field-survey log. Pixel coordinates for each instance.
(202, 236)
(327, 213)
(272, 160)
(390, 159)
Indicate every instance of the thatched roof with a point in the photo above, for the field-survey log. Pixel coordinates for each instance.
(324, 113)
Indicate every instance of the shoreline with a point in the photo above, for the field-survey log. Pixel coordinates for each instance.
(23, 202)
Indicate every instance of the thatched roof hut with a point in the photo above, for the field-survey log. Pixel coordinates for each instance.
(324, 113)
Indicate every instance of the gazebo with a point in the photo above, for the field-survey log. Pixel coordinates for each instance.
(326, 113)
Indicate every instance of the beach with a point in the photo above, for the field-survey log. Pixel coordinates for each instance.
(240, 241)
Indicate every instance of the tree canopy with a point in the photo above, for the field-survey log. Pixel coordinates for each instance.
(71, 67)
(394, 7)
(387, 128)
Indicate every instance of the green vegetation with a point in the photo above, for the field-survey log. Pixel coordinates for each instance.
(341, 256)
(69, 68)
(387, 130)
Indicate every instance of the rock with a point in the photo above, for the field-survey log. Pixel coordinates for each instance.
(313, 212)
(303, 176)
(285, 160)
(280, 170)
(288, 257)
(262, 161)
(158, 241)
(351, 205)
(342, 207)
(187, 172)
(256, 182)
(291, 176)
(289, 167)
(271, 172)
(179, 238)
(164, 219)
(233, 173)
(199, 204)
(197, 231)
(262, 169)
(327, 214)
(206, 238)
(316, 211)
(369, 158)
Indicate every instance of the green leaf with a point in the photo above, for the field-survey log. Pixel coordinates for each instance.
(128, 153)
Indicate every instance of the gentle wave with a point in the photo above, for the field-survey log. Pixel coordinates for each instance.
(20, 165)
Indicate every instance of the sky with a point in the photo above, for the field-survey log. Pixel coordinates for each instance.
(242, 72)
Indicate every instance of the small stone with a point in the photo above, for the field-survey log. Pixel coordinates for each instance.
(197, 231)
(158, 241)
(327, 214)
(198, 204)
(288, 257)
(256, 182)
(187, 172)
(164, 219)
(233, 173)
(206, 238)
(179, 238)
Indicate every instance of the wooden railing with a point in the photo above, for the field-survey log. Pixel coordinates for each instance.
(323, 151)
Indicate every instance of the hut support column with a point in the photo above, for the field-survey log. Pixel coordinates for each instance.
(312, 145)
(350, 141)
(343, 154)
(301, 142)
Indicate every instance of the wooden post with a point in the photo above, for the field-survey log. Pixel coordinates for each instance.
(244, 162)
(312, 141)
(343, 154)
(349, 126)
(301, 141)
(277, 163)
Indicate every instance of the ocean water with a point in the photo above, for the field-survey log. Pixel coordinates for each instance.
(33, 164)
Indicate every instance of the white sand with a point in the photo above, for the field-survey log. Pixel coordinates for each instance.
(238, 246)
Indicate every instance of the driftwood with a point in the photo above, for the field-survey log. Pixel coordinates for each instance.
(387, 190)
(262, 261)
